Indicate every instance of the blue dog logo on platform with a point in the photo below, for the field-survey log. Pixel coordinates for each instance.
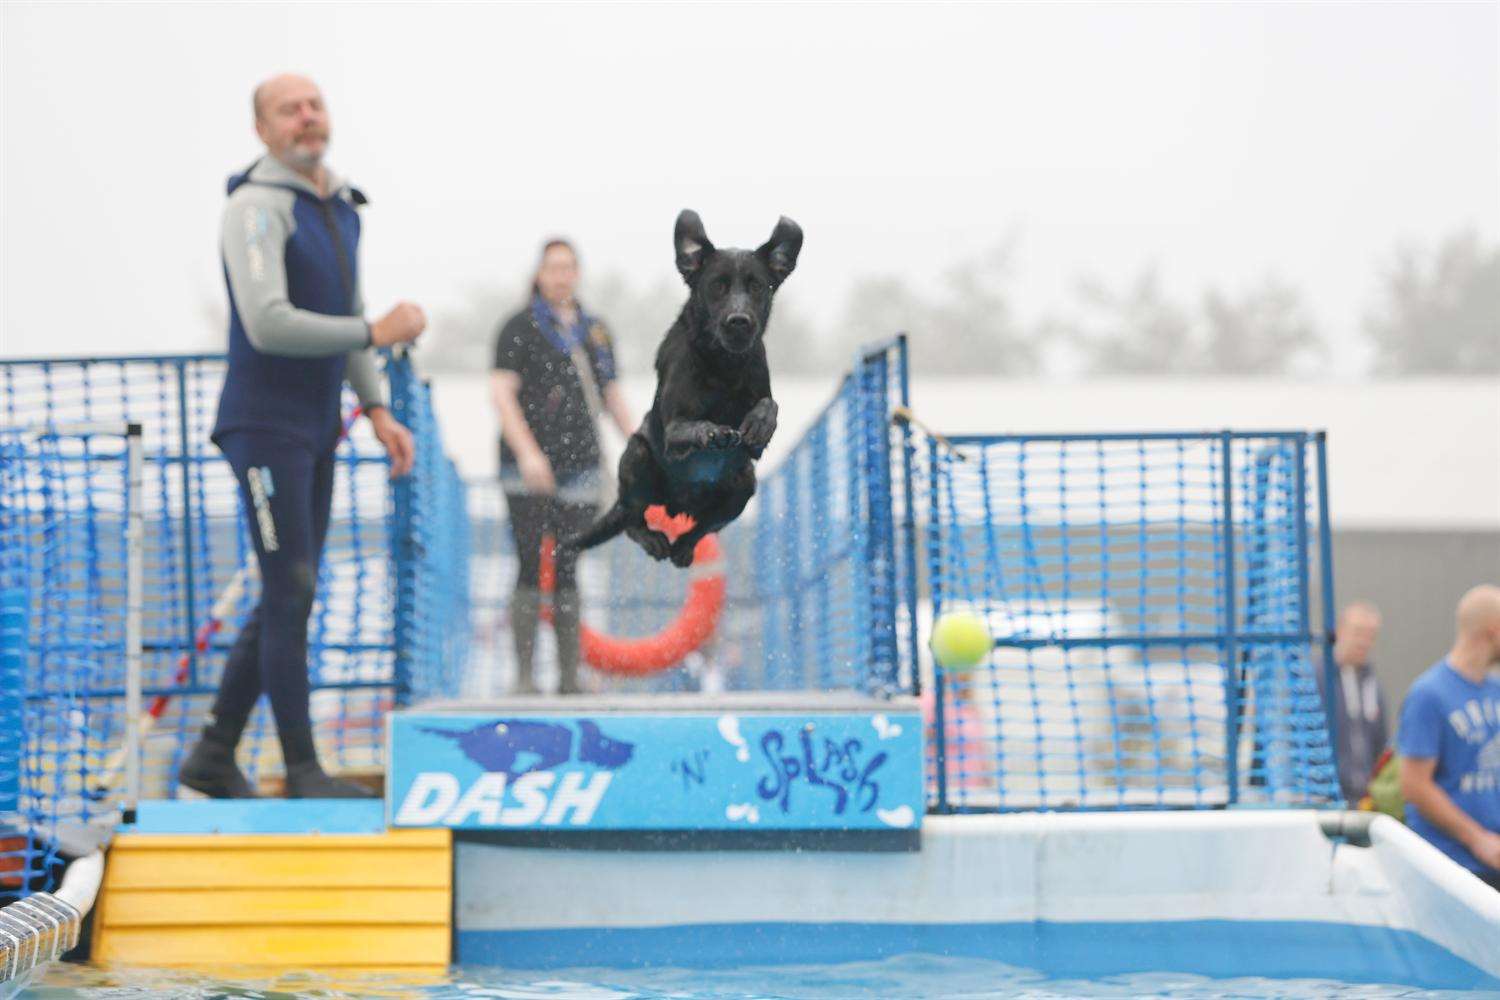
(523, 783)
(519, 746)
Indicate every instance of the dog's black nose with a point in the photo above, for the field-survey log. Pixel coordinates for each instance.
(739, 323)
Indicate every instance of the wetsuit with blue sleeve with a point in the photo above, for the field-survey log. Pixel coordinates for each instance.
(296, 334)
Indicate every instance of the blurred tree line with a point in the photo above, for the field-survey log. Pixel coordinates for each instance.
(1439, 312)
(1435, 311)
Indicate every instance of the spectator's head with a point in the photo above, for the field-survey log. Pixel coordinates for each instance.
(556, 278)
(1359, 627)
(292, 121)
(1479, 623)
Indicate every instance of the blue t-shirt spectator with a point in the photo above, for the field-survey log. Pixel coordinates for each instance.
(1449, 718)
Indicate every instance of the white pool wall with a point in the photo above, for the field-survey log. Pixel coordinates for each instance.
(1055, 867)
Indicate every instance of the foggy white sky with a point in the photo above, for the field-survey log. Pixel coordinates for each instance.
(1222, 143)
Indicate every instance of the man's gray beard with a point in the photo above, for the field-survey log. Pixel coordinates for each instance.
(301, 161)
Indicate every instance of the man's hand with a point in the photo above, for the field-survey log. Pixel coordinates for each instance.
(403, 324)
(1485, 845)
(397, 440)
(536, 472)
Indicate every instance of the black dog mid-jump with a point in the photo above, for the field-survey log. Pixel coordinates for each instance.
(713, 414)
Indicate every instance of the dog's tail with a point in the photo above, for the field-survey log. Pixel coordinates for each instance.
(614, 521)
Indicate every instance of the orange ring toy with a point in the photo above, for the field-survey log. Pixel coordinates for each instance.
(694, 623)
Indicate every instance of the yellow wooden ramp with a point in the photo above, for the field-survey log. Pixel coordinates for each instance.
(363, 900)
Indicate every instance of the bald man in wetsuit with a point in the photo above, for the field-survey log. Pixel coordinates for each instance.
(297, 333)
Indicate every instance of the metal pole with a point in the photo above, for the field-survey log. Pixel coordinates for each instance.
(1304, 612)
(935, 576)
(1230, 646)
(790, 560)
(910, 548)
(819, 525)
(1325, 570)
(874, 402)
(877, 404)
(190, 612)
(135, 536)
(400, 528)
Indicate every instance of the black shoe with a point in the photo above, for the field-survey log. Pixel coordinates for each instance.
(310, 781)
(210, 769)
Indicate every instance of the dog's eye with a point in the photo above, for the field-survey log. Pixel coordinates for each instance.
(721, 284)
(753, 285)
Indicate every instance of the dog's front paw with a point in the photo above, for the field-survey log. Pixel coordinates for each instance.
(758, 426)
(682, 553)
(719, 438)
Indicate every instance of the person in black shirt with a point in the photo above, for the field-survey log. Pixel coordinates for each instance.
(554, 372)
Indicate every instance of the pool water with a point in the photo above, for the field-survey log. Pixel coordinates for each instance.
(907, 976)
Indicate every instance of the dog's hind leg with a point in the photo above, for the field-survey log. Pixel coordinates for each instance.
(640, 487)
(614, 521)
(637, 476)
(654, 543)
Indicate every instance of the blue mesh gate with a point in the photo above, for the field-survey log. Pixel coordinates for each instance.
(1149, 599)
(390, 623)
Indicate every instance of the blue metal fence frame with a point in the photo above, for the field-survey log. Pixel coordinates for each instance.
(425, 520)
(804, 547)
(1231, 633)
(409, 395)
(1325, 567)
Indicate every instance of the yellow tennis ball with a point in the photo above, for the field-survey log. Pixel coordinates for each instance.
(960, 641)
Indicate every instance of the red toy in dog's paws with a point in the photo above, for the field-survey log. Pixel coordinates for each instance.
(694, 624)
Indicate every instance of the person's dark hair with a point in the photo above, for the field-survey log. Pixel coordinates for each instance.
(556, 241)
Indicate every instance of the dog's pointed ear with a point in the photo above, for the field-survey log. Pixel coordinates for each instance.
(691, 243)
(781, 250)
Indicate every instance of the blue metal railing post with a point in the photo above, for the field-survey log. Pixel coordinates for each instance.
(1304, 613)
(875, 415)
(790, 559)
(935, 576)
(773, 649)
(1257, 607)
(402, 540)
(1325, 568)
(190, 610)
(909, 549)
(14, 618)
(818, 524)
(1231, 625)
